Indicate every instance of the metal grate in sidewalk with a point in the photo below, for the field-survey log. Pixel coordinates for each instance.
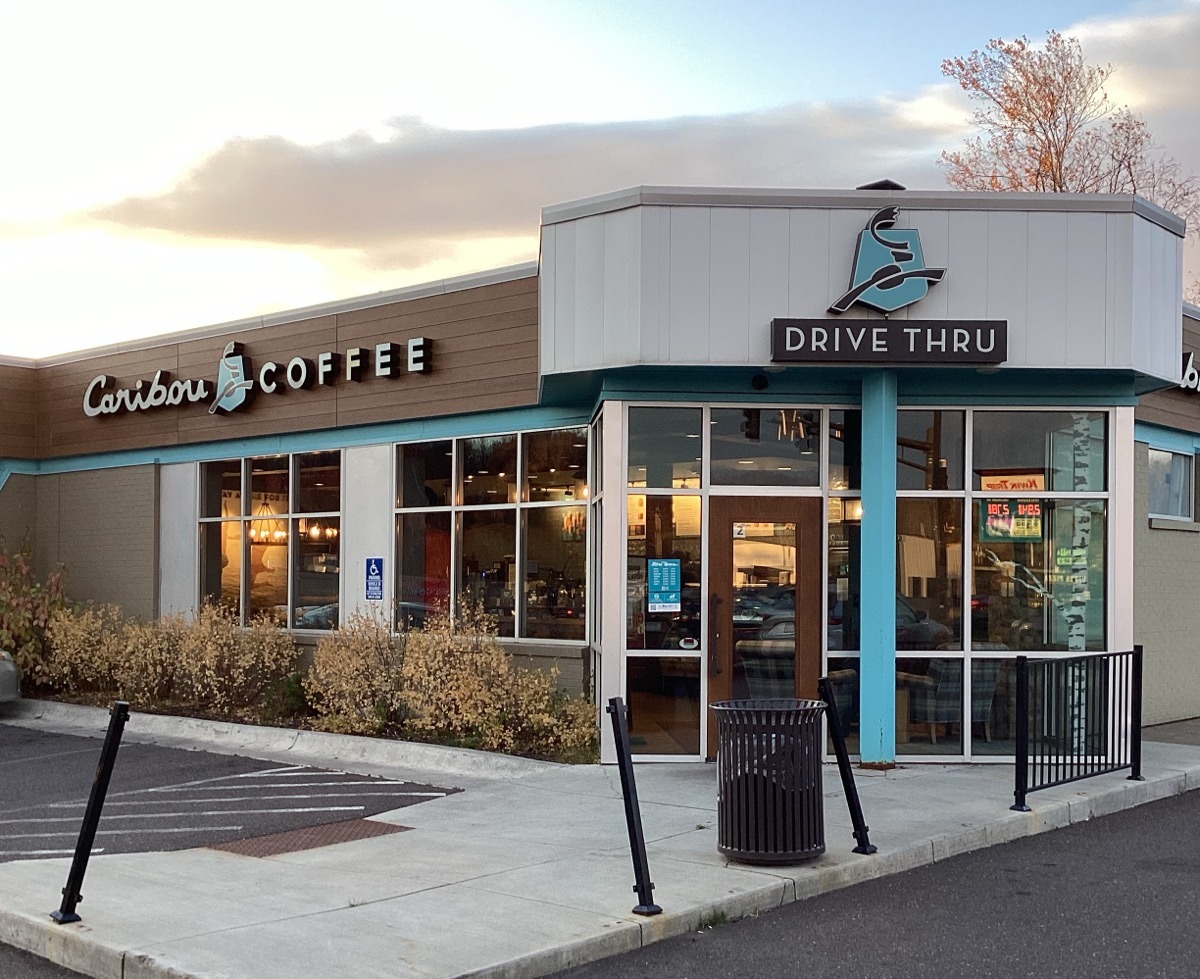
(310, 838)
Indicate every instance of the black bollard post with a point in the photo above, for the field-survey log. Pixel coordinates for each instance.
(633, 814)
(861, 829)
(72, 895)
(1135, 719)
(1021, 768)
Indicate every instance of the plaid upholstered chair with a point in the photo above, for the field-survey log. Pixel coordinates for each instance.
(936, 697)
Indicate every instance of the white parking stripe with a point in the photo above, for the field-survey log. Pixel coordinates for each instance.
(174, 815)
(250, 798)
(45, 853)
(122, 832)
(290, 785)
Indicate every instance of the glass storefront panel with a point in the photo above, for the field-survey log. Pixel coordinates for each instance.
(555, 572)
(221, 488)
(929, 573)
(664, 704)
(423, 474)
(663, 529)
(929, 450)
(268, 570)
(842, 673)
(221, 564)
(843, 584)
(845, 450)
(664, 447)
(765, 447)
(318, 482)
(316, 542)
(556, 465)
(488, 469)
(423, 567)
(269, 486)
(764, 610)
(929, 706)
(1040, 573)
(1028, 451)
(993, 707)
(487, 564)
(1171, 484)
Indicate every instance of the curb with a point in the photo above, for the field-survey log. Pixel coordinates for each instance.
(276, 743)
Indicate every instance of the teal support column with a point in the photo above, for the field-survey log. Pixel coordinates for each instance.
(877, 674)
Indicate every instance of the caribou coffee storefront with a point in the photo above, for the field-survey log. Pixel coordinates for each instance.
(716, 443)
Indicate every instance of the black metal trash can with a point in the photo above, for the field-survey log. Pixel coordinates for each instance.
(770, 808)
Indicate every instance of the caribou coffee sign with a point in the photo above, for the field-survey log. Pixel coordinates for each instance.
(237, 381)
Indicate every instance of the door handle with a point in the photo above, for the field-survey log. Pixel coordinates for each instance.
(714, 634)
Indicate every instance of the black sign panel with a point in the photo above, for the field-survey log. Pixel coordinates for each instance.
(909, 342)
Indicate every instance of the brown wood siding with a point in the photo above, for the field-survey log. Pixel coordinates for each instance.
(18, 412)
(1176, 407)
(484, 357)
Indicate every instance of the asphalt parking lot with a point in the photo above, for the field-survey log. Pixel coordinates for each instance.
(170, 799)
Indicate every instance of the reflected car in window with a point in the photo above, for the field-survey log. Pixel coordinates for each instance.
(915, 630)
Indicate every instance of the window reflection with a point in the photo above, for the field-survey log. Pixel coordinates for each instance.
(845, 450)
(842, 594)
(488, 567)
(929, 450)
(555, 572)
(663, 527)
(664, 447)
(556, 465)
(489, 469)
(929, 573)
(423, 567)
(664, 705)
(765, 447)
(423, 474)
(1030, 451)
(317, 546)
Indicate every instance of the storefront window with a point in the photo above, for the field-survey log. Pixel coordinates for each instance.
(765, 447)
(664, 538)
(929, 706)
(265, 561)
(664, 447)
(1171, 484)
(993, 707)
(1032, 451)
(842, 674)
(842, 592)
(929, 450)
(845, 450)
(929, 573)
(555, 546)
(1040, 570)
(423, 474)
(423, 561)
(488, 566)
(664, 705)
(556, 465)
(488, 470)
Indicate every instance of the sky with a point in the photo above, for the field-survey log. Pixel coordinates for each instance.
(170, 166)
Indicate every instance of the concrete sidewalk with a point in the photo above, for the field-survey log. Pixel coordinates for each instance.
(525, 872)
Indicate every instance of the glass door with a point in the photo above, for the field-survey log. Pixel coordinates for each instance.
(764, 603)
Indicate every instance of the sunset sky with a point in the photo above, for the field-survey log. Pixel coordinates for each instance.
(171, 166)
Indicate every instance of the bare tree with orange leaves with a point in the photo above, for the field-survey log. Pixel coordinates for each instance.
(1046, 124)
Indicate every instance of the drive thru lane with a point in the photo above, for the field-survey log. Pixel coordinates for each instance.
(168, 798)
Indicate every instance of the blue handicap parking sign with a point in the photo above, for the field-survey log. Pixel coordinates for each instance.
(374, 579)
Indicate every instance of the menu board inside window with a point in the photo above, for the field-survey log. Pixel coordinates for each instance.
(1010, 520)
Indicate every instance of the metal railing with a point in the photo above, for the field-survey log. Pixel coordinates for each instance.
(1076, 718)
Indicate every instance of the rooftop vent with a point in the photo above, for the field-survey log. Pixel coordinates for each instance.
(884, 184)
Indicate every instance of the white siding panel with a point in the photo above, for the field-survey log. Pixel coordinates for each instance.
(688, 335)
(1119, 325)
(179, 538)
(966, 264)
(1007, 287)
(622, 276)
(1086, 258)
(589, 292)
(368, 526)
(729, 285)
(564, 298)
(1045, 332)
(655, 301)
(769, 257)
(546, 276)
(810, 290)
(1157, 287)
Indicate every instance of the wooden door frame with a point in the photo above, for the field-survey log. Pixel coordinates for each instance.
(723, 511)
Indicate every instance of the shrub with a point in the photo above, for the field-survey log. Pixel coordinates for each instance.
(354, 685)
(26, 607)
(224, 666)
(84, 647)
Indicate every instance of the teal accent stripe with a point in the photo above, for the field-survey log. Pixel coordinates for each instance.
(877, 675)
(1170, 439)
(517, 420)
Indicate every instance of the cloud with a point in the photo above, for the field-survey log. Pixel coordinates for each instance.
(414, 194)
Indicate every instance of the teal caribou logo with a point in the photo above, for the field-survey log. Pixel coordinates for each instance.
(889, 269)
(234, 385)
